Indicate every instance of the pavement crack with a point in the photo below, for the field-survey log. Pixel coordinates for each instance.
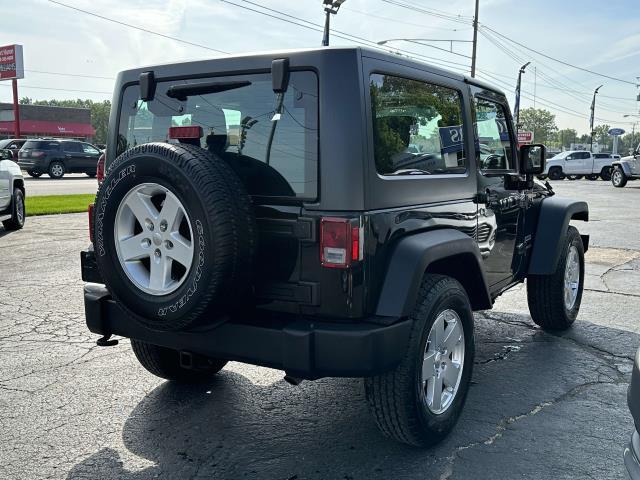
(503, 425)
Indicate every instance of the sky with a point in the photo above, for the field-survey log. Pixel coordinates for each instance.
(73, 47)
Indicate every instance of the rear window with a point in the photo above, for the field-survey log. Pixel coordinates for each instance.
(41, 145)
(236, 124)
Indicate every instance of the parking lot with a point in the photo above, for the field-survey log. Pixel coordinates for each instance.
(70, 184)
(541, 406)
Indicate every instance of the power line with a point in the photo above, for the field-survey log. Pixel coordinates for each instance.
(434, 13)
(583, 97)
(557, 60)
(58, 89)
(404, 22)
(193, 44)
(79, 75)
(346, 36)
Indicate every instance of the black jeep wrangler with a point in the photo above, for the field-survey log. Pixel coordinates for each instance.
(327, 212)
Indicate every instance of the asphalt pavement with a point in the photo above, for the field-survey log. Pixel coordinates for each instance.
(541, 406)
(69, 184)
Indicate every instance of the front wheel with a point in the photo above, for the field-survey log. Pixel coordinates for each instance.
(165, 363)
(618, 178)
(605, 174)
(554, 300)
(419, 402)
(16, 222)
(591, 177)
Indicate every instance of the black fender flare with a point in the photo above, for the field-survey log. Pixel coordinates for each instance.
(623, 165)
(445, 251)
(553, 220)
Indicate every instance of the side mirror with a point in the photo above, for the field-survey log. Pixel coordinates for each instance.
(532, 159)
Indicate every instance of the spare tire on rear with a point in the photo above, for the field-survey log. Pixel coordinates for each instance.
(174, 235)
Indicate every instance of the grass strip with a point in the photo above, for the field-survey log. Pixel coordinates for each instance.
(52, 204)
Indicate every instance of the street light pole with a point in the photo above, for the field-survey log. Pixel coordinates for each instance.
(475, 40)
(517, 106)
(593, 112)
(331, 7)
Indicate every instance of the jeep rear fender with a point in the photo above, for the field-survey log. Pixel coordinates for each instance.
(447, 252)
(553, 221)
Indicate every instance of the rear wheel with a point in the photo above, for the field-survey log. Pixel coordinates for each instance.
(34, 173)
(56, 170)
(618, 178)
(554, 300)
(16, 222)
(419, 402)
(605, 174)
(556, 173)
(165, 363)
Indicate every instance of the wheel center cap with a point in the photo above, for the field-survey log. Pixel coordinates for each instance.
(157, 239)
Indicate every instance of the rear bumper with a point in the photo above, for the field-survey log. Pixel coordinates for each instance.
(39, 164)
(302, 347)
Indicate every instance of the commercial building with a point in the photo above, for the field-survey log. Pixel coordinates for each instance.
(46, 121)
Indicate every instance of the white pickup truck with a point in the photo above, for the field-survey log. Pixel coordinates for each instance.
(575, 164)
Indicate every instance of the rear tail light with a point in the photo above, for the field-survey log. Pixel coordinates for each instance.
(90, 211)
(341, 242)
(189, 132)
(100, 169)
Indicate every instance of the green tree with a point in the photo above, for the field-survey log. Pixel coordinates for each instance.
(541, 122)
(565, 137)
(601, 135)
(99, 112)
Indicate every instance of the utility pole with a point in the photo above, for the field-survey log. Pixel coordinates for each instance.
(475, 40)
(517, 106)
(593, 111)
(331, 7)
(16, 108)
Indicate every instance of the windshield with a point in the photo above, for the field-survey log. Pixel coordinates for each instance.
(4, 143)
(236, 124)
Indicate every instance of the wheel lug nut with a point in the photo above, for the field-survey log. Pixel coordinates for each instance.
(146, 243)
(163, 226)
(157, 253)
(149, 224)
(168, 244)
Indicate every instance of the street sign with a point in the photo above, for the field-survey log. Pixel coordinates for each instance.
(616, 131)
(11, 65)
(525, 137)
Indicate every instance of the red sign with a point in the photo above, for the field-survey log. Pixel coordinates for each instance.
(11, 65)
(525, 137)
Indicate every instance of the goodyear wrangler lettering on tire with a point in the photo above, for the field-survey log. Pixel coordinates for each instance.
(180, 224)
(131, 169)
(194, 286)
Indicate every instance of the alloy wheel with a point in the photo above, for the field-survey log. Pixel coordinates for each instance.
(443, 361)
(571, 278)
(154, 239)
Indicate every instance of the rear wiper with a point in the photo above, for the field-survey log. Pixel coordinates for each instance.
(181, 92)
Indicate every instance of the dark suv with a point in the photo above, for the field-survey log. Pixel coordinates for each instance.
(324, 212)
(57, 157)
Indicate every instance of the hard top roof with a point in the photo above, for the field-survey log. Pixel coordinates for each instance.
(363, 51)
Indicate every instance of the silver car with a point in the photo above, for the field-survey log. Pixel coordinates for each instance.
(12, 213)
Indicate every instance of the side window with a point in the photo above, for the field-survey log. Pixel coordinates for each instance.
(585, 155)
(493, 135)
(86, 148)
(417, 127)
(72, 147)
